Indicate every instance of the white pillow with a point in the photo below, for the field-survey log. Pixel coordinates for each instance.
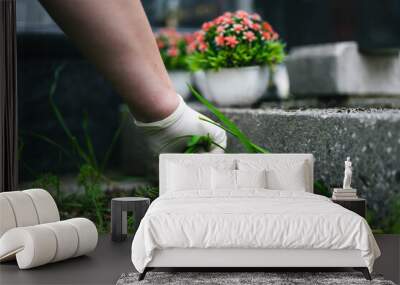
(184, 178)
(226, 180)
(293, 180)
(223, 179)
(282, 174)
(251, 178)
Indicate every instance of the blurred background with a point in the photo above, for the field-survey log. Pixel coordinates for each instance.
(312, 106)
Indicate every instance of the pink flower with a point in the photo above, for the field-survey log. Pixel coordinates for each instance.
(173, 52)
(231, 41)
(255, 16)
(228, 21)
(274, 36)
(219, 20)
(247, 22)
(220, 29)
(173, 41)
(189, 38)
(255, 26)
(241, 14)
(223, 20)
(202, 46)
(199, 36)
(250, 36)
(206, 26)
(238, 28)
(191, 47)
(227, 14)
(219, 40)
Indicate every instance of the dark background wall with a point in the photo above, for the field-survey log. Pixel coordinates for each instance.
(374, 24)
(81, 89)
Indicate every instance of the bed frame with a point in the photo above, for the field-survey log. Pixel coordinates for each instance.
(246, 258)
(242, 259)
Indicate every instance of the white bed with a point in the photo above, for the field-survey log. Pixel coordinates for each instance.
(201, 219)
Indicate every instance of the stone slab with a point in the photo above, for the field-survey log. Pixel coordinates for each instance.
(370, 137)
(340, 69)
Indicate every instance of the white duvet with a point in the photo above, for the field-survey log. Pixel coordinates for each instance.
(250, 219)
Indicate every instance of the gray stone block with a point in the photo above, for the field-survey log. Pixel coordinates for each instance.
(370, 137)
(340, 69)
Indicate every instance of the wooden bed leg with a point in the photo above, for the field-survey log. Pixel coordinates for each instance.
(143, 274)
(364, 271)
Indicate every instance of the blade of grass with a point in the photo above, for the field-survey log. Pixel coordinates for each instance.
(60, 118)
(114, 140)
(51, 142)
(257, 148)
(221, 147)
(88, 140)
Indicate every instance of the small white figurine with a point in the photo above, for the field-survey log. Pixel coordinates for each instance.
(348, 171)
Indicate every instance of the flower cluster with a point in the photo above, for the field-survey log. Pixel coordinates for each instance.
(235, 39)
(174, 47)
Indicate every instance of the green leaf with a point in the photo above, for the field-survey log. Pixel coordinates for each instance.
(228, 124)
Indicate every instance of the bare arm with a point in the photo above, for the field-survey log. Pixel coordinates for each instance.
(116, 36)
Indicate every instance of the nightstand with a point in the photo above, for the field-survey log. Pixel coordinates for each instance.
(358, 205)
(119, 216)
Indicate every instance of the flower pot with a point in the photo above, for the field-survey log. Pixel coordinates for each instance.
(241, 86)
(200, 80)
(180, 80)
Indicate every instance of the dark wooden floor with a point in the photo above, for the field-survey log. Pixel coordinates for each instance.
(110, 260)
(103, 266)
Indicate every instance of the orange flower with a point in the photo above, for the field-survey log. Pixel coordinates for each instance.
(267, 26)
(266, 35)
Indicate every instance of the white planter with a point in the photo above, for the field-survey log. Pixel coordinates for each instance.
(199, 78)
(241, 86)
(180, 80)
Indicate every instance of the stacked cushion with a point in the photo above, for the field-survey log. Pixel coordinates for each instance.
(31, 231)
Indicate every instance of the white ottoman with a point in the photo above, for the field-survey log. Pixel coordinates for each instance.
(31, 230)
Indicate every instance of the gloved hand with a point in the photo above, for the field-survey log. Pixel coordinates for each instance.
(184, 121)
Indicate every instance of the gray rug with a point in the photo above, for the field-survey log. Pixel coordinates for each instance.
(243, 278)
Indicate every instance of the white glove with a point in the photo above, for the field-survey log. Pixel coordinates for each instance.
(184, 121)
